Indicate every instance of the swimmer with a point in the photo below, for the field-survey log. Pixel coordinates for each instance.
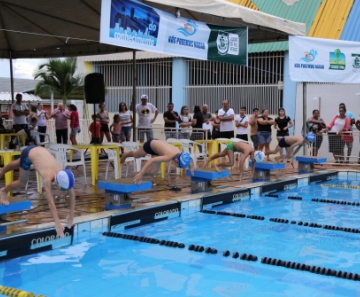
(289, 143)
(161, 151)
(46, 165)
(242, 147)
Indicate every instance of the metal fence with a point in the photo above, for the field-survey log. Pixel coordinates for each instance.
(162, 133)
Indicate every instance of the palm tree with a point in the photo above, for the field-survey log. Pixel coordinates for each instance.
(58, 76)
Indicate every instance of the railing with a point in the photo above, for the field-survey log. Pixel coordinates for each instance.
(162, 133)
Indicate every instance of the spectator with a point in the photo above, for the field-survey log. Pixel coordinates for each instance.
(103, 115)
(207, 116)
(20, 111)
(254, 127)
(41, 123)
(349, 145)
(115, 129)
(216, 126)
(61, 115)
(264, 131)
(2, 127)
(339, 124)
(185, 123)
(226, 116)
(31, 115)
(282, 125)
(242, 122)
(197, 123)
(145, 111)
(95, 130)
(126, 120)
(34, 130)
(316, 124)
(74, 123)
(170, 118)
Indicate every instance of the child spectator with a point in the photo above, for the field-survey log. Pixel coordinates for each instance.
(34, 130)
(115, 129)
(95, 132)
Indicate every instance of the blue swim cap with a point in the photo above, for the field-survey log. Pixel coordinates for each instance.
(183, 160)
(310, 137)
(259, 156)
(65, 179)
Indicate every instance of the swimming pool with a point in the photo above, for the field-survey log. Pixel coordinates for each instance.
(99, 265)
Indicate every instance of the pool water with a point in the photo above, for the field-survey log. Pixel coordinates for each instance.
(108, 266)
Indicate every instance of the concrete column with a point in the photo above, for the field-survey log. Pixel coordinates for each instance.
(180, 79)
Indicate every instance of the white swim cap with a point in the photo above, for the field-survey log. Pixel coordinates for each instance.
(65, 179)
(259, 156)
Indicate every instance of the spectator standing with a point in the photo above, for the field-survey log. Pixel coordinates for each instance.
(254, 127)
(103, 115)
(216, 126)
(115, 128)
(349, 145)
(20, 110)
(42, 118)
(126, 120)
(32, 114)
(74, 123)
(197, 123)
(226, 116)
(264, 131)
(339, 124)
(170, 118)
(316, 124)
(241, 123)
(61, 115)
(145, 110)
(282, 125)
(207, 116)
(185, 123)
(95, 130)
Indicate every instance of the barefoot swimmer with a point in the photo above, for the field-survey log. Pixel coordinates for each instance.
(289, 143)
(161, 151)
(46, 165)
(241, 147)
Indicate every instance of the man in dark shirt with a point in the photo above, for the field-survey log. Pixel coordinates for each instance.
(170, 118)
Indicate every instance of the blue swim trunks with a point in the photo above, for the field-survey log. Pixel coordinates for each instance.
(147, 148)
(25, 163)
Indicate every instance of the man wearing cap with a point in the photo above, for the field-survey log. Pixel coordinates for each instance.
(145, 110)
(242, 147)
(46, 165)
(289, 143)
(161, 151)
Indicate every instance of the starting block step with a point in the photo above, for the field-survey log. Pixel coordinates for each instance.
(200, 181)
(118, 192)
(306, 163)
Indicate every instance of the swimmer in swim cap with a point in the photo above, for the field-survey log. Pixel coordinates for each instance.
(161, 151)
(233, 147)
(48, 168)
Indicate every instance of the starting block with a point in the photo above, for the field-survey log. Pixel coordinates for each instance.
(201, 180)
(14, 206)
(262, 170)
(306, 163)
(118, 192)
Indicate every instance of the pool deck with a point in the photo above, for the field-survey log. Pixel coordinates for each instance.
(90, 201)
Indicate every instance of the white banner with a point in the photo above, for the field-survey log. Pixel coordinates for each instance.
(324, 60)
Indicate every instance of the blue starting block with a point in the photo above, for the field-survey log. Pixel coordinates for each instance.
(201, 180)
(14, 206)
(118, 192)
(262, 170)
(306, 163)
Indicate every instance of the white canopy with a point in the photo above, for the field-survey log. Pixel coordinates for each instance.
(6, 97)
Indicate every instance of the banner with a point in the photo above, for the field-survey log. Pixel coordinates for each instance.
(134, 25)
(324, 60)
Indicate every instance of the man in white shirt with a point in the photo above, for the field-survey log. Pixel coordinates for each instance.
(145, 111)
(226, 116)
(20, 111)
(241, 123)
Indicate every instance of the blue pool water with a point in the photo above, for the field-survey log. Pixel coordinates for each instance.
(107, 266)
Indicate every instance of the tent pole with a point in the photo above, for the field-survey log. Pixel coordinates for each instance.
(134, 94)
(11, 80)
(304, 113)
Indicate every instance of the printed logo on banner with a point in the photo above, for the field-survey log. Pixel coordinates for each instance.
(133, 22)
(189, 28)
(356, 62)
(309, 57)
(227, 43)
(337, 60)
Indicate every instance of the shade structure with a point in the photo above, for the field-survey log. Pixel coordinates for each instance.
(52, 28)
(6, 97)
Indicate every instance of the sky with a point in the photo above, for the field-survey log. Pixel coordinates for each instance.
(22, 68)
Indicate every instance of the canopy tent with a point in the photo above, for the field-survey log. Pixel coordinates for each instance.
(51, 28)
(6, 97)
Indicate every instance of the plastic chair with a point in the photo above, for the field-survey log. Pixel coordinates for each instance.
(112, 157)
(60, 155)
(189, 147)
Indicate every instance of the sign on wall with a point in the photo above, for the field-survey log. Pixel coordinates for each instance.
(134, 25)
(324, 60)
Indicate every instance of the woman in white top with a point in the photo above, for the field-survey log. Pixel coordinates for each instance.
(126, 120)
(185, 123)
(42, 117)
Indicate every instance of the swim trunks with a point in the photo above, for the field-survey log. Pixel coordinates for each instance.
(230, 146)
(25, 162)
(147, 148)
(282, 143)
